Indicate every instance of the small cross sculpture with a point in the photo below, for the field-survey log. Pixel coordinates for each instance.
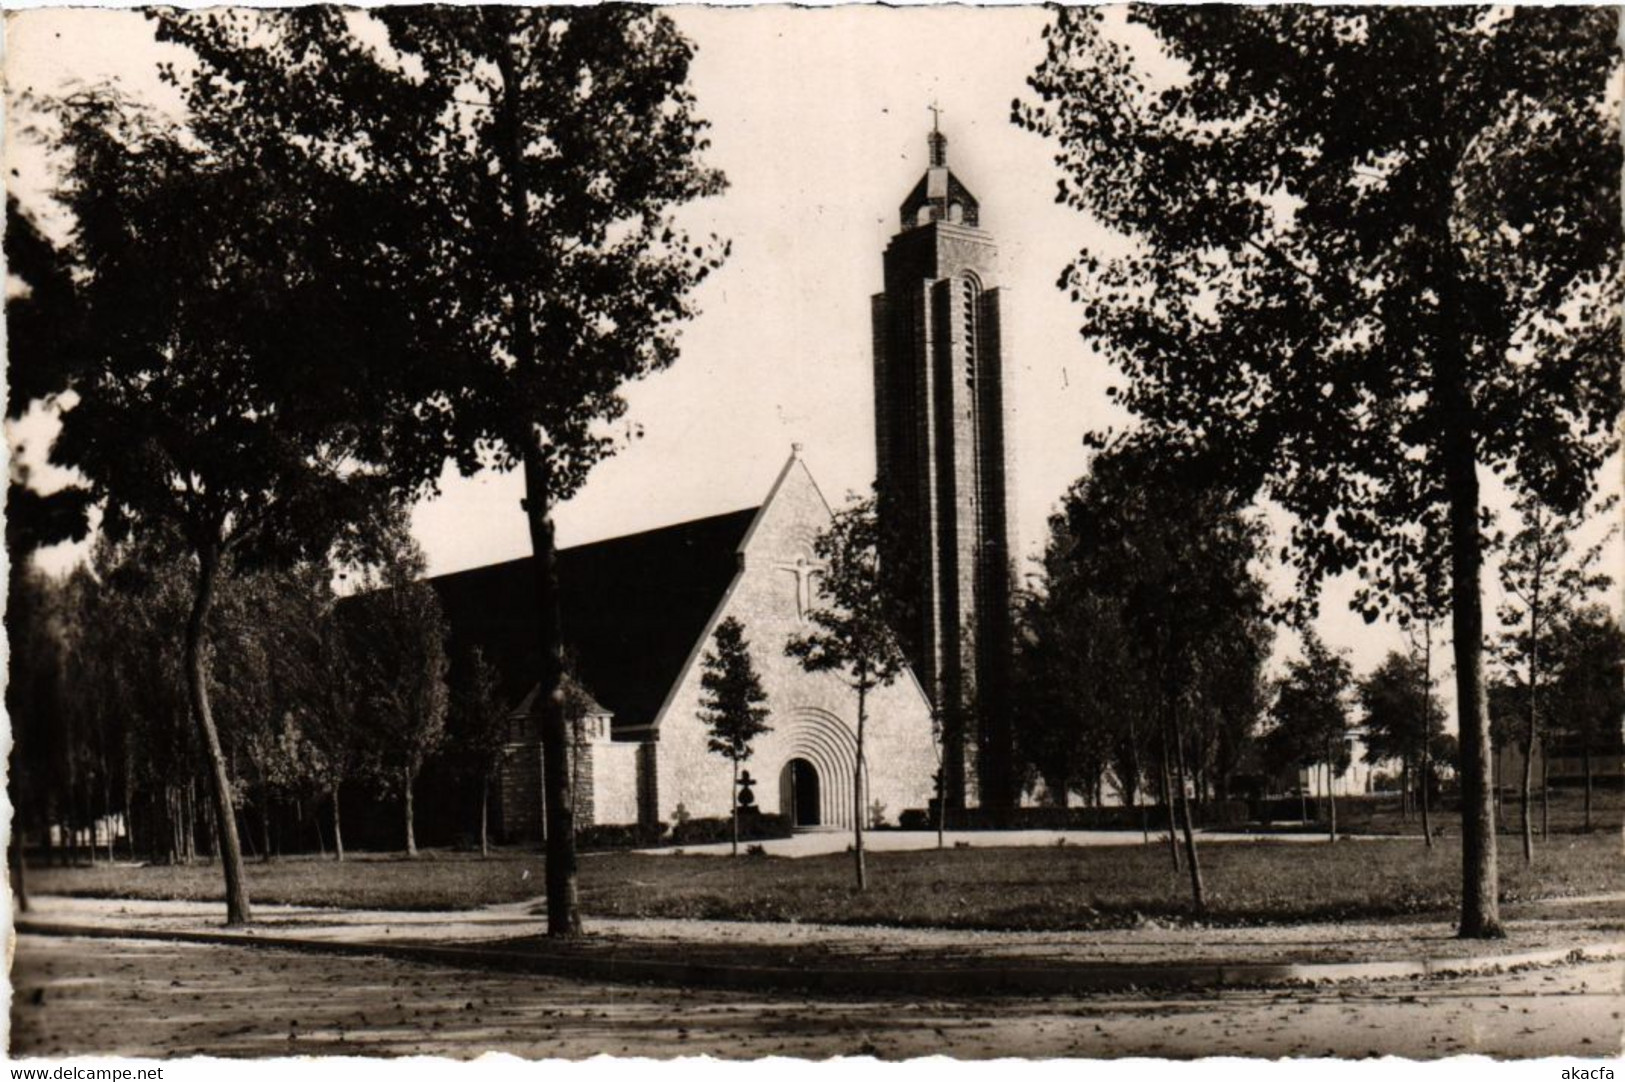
(936, 116)
(805, 572)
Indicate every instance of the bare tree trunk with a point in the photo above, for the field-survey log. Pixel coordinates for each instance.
(485, 815)
(338, 825)
(1426, 795)
(410, 778)
(1405, 783)
(857, 788)
(1480, 904)
(1585, 758)
(14, 853)
(107, 796)
(1331, 797)
(1168, 803)
(197, 681)
(316, 821)
(1529, 733)
(1427, 729)
(1197, 894)
(1545, 792)
(265, 823)
(735, 791)
(1526, 810)
(189, 828)
(563, 907)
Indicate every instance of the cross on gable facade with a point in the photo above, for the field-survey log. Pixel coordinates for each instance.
(638, 616)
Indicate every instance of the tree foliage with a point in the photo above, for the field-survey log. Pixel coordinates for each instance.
(851, 633)
(731, 702)
(1334, 275)
(1158, 577)
(510, 177)
(402, 665)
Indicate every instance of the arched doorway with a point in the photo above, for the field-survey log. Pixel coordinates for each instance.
(801, 797)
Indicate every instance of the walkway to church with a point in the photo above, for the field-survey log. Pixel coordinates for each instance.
(877, 960)
(815, 843)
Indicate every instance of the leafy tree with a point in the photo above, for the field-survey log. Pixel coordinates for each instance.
(39, 363)
(144, 594)
(522, 168)
(1424, 598)
(206, 404)
(1587, 695)
(321, 644)
(1362, 238)
(853, 636)
(403, 668)
(479, 727)
(1173, 564)
(1403, 720)
(244, 690)
(731, 699)
(1544, 581)
(1311, 712)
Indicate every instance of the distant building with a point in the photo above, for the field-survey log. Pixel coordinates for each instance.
(638, 615)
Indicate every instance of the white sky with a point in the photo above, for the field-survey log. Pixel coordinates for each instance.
(819, 120)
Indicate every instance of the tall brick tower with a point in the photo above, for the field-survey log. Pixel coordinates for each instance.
(942, 479)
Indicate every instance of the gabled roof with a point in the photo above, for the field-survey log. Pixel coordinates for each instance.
(632, 608)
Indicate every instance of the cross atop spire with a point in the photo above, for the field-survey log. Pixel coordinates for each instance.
(936, 141)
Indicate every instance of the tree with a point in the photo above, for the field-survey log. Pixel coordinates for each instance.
(403, 668)
(323, 646)
(524, 166)
(1311, 712)
(39, 364)
(1362, 239)
(731, 699)
(145, 591)
(853, 636)
(1424, 596)
(1172, 564)
(1587, 695)
(479, 727)
(1403, 720)
(1544, 581)
(206, 403)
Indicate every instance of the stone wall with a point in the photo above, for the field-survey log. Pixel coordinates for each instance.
(615, 782)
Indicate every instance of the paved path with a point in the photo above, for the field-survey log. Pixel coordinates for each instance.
(1150, 943)
(127, 998)
(819, 842)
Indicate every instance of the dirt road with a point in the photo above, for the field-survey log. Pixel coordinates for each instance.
(138, 998)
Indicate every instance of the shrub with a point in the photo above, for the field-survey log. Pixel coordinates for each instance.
(914, 819)
(620, 836)
(753, 827)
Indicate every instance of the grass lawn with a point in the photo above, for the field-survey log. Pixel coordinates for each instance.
(1043, 888)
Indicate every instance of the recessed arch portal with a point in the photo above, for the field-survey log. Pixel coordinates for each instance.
(829, 750)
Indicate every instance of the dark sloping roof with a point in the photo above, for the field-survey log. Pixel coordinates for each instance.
(632, 609)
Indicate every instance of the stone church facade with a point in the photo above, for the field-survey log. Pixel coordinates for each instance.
(638, 615)
(638, 612)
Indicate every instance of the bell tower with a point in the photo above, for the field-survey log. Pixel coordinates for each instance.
(942, 477)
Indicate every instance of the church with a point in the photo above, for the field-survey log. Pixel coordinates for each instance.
(639, 612)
